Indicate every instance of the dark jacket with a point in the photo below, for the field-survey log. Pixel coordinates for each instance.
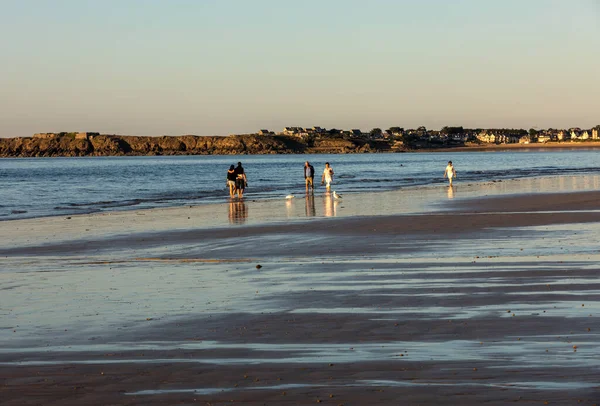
(312, 171)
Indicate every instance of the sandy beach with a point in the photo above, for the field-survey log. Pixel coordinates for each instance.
(486, 293)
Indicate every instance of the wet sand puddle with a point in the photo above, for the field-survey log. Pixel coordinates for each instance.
(552, 386)
(531, 351)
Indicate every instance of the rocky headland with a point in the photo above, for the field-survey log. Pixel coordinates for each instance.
(70, 145)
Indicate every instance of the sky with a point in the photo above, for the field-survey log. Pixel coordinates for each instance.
(218, 67)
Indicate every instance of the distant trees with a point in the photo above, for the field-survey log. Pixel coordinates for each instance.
(395, 130)
(533, 132)
(410, 139)
(452, 130)
(376, 132)
(334, 133)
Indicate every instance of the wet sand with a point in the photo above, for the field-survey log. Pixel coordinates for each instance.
(479, 299)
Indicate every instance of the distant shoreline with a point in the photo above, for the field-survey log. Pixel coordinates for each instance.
(81, 145)
(512, 147)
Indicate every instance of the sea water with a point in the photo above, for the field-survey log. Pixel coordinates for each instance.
(37, 187)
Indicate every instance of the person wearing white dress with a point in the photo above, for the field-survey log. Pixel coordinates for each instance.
(327, 177)
(450, 173)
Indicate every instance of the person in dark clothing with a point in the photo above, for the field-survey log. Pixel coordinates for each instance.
(240, 180)
(309, 176)
(231, 181)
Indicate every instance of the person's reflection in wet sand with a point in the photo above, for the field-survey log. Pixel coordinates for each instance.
(451, 191)
(289, 208)
(238, 212)
(328, 205)
(309, 205)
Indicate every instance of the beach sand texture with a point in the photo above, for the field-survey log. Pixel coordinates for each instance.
(486, 294)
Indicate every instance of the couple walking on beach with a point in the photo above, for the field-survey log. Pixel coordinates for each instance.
(236, 180)
(309, 176)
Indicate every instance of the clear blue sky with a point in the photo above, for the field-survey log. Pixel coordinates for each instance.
(149, 67)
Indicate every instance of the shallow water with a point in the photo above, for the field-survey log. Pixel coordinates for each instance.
(34, 187)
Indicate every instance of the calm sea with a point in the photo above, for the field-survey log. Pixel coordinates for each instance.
(35, 187)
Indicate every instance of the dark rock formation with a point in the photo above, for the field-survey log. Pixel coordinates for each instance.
(116, 145)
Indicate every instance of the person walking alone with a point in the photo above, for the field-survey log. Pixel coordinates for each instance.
(450, 173)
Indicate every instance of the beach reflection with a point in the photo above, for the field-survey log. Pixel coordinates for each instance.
(451, 192)
(238, 212)
(309, 205)
(289, 208)
(329, 205)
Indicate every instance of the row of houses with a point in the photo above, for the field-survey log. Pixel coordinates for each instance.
(302, 132)
(448, 134)
(418, 134)
(498, 137)
(572, 134)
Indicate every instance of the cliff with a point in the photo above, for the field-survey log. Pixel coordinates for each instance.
(117, 145)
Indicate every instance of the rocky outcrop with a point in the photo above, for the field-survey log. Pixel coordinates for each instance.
(116, 145)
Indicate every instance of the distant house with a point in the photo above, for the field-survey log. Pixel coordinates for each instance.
(458, 137)
(292, 130)
(265, 132)
(303, 133)
(575, 133)
(525, 139)
(436, 136)
(544, 137)
(585, 135)
(548, 135)
(395, 132)
(356, 132)
(498, 137)
(595, 134)
(508, 139)
(422, 132)
(487, 137)
(563, 135)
